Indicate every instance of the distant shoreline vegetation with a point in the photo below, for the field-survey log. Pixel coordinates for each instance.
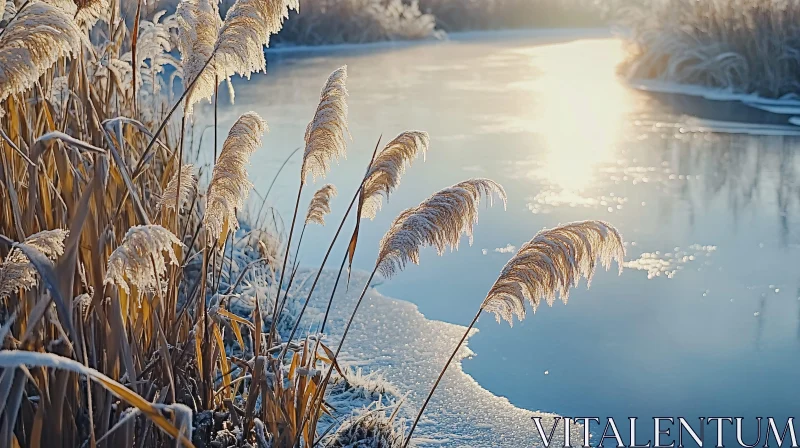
(361, 21)
(326, 22)
(739, 46)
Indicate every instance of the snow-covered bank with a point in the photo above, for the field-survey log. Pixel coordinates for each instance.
(394, 354)
(708, 93)
(391, 336)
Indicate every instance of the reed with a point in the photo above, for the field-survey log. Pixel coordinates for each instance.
(325, 141)
(744, 46)
(545, 267)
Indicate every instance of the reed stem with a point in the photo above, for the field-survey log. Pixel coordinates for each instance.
(319, 271)
(273, 325)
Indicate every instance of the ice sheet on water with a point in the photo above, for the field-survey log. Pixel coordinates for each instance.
(750, 99)
(393, 337)
(669, 263)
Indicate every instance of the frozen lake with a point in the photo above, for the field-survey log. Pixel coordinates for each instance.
(705, 321)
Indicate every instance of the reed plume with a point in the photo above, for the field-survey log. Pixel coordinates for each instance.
(90, 11)
(16, 271)
(546, 266)
(229, 185)
(550, 264)
(178, 188)
(198, 24)
(387, 168)
(140, 261)
(324, 140)
(382, 178)
(320, 205)
(38, 36)
(85, 12)
(246, 30)
(439, 221)
(325, 134)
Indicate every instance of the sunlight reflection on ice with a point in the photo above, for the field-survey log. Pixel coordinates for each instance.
(668, 264)
(547, 200)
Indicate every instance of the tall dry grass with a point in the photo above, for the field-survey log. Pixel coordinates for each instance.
(357, 21)
(746, 46)
(120, 316)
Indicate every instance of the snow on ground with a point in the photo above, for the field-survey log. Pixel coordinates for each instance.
(393, 337)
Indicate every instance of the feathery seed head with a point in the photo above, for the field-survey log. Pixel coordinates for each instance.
(229, 186)
(198, 25)
(16, 271)
(439, 221)
(552, 263)
(387, 168)
(85, 12)
(140, 260)
(320, 205)
(325, 134)
(180, 187)
(38, 36)
(246, 30)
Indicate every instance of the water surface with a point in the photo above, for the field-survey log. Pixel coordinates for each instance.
(705, 321)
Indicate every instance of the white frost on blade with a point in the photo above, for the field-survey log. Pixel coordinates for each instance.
(392, 336)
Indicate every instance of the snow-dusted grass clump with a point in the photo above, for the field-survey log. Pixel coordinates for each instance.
(744, 46)
(370, 427)
(355, 385)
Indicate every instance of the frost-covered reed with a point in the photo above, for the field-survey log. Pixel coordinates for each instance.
(389, 166)
(545, 267)
(178, 189)
(214, 50)
(229, 184)
(31, 43)
(199, 23)
(320, 205)
(550, 264)
(325, 140)
(248, 26)
(140, 260)
(439, 221)
(16, 271)
(326, 134)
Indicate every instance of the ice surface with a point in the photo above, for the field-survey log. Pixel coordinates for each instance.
(730, 127)
(788, 105)
(393, 337)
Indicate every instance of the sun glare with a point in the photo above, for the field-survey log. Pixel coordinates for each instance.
(582, 107)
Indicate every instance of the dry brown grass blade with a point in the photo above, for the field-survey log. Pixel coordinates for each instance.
(223, 361)
(134, 45)
(47, 272)
(17, 358)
